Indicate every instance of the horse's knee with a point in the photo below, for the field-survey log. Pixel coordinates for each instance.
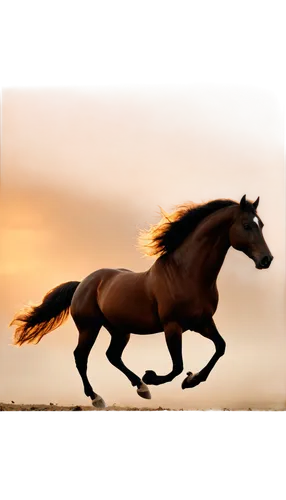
(111, 356)
(220, 347)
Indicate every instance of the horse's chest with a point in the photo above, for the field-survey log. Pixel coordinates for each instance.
(194, 306)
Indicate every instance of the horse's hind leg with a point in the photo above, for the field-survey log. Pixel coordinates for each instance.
(87, 337)
(114, 352)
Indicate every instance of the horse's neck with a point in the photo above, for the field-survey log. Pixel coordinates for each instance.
(202, 253)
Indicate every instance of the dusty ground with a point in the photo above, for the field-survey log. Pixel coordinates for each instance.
(54, 408)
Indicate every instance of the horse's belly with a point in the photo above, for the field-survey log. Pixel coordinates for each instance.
(126, 306)
(134, 318)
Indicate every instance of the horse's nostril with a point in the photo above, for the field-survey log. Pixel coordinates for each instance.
(265, 262)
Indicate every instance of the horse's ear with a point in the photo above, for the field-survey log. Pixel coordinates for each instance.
(255, 203)
(243, 202)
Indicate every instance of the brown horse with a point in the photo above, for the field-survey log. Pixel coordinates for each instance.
(176, 294)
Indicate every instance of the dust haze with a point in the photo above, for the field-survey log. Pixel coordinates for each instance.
(82, 171)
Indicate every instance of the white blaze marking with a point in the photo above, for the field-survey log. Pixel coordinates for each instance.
(256, 220)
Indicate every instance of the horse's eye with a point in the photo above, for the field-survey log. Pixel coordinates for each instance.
(247, 227)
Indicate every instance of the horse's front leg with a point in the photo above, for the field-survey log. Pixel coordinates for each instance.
(173, 336)
(209, 331)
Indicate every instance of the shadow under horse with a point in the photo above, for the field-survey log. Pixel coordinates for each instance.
(178, 293)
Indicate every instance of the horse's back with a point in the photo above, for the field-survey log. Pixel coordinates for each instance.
(84, 301)
(104, 274)
(122, 287)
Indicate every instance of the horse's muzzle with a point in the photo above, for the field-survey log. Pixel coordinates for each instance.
(265, 262)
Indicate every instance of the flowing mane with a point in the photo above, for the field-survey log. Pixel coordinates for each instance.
(164, 237)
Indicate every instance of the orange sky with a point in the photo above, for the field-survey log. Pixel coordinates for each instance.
(82, 172)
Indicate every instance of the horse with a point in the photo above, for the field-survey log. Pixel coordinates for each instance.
(177, 293)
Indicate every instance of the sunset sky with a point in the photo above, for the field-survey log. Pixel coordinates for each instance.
(83, 170)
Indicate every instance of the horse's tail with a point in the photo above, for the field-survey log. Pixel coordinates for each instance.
(35, 321)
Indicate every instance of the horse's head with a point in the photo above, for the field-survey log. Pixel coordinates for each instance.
(246, 234)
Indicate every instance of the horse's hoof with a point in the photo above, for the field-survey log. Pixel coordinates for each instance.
(186, 382)
(149, 377)
(143, 391)
(98, 402)
(190, 381)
